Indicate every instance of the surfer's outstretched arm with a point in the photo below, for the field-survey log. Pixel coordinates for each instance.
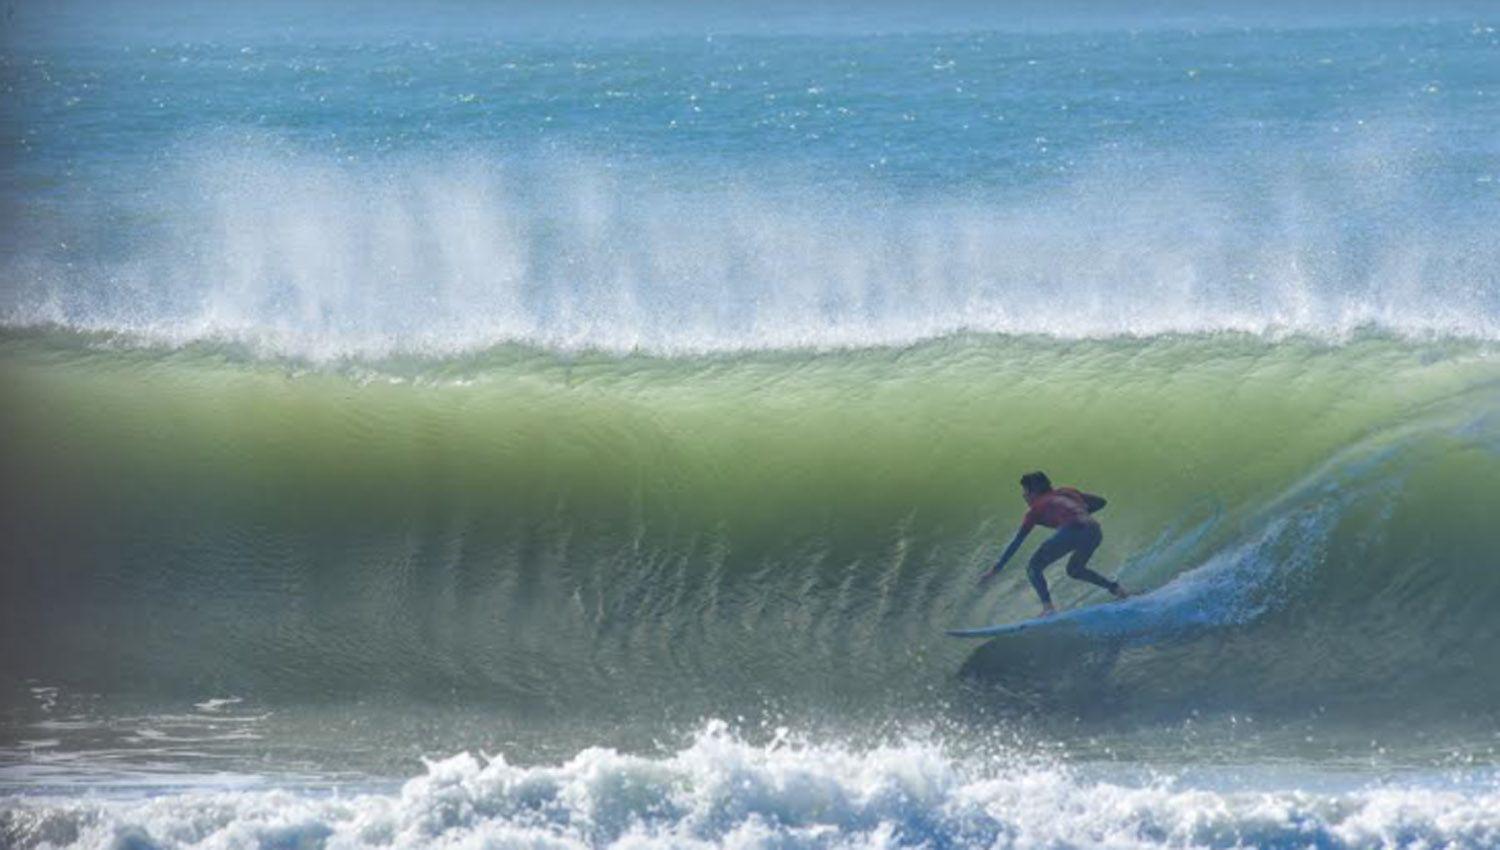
(1010, 550)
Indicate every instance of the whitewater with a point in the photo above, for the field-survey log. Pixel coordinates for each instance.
(577, 428)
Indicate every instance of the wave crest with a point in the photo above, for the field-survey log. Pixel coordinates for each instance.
(300, 256)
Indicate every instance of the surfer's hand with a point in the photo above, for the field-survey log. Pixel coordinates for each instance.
(985, 576)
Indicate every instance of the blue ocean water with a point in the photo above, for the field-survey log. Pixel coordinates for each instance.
(483, 425)
(745, 190)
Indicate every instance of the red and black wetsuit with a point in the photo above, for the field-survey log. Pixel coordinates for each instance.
(1070, 512)
(1058, 508)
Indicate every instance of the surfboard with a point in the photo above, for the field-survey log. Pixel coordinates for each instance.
(1002, 629)
(1070, 615)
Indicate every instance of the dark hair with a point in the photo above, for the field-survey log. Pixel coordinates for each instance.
(1036, 482)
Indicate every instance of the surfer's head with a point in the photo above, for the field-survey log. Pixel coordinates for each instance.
(1034, 484)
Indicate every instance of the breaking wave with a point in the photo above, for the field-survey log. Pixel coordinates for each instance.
(721, 792)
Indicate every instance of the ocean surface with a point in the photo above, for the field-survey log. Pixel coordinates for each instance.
(474, 425)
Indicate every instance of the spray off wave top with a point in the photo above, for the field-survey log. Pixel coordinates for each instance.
(301, 256)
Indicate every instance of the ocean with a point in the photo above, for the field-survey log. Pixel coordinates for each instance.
(485, 425)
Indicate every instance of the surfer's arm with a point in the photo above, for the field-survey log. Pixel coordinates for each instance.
(1094, 503)
(1010, 550)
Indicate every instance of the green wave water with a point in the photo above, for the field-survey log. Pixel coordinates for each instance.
(647, 540)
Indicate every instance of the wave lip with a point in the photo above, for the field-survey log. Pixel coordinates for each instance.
(722, 792)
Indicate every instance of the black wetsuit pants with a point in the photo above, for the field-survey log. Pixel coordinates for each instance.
(1080, 539)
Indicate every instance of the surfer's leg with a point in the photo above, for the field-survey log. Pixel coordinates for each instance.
(1038, 581)
(1090, 538)
(1055, 547)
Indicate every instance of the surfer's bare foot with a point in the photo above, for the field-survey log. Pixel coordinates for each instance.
(1048, 610)
(1120, 592)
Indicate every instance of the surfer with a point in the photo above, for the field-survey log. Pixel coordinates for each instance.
(1071, 513)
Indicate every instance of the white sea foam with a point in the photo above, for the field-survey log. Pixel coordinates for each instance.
(722, 792)
(217, 704)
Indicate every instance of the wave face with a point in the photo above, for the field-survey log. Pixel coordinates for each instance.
(720, 792)
(576, 536)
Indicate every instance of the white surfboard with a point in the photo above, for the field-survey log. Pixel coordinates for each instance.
(1002, 629)
(1071, 615)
